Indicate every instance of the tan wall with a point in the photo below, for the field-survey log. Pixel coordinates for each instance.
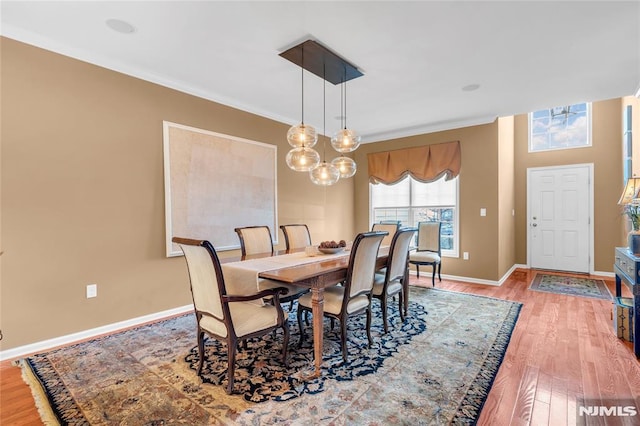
(506, 196)
(83, 194)
(478, 189)
(606, 155)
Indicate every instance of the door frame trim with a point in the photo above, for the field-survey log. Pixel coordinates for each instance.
(590, 169)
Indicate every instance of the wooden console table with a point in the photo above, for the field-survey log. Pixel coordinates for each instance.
(627, 270)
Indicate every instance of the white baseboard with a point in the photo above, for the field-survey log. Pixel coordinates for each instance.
(604, 274)
(479, 280)
(464, 279)
(471, 280)
(509, 272)
(86, 334)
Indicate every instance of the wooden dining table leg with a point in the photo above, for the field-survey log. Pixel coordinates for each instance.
(317, 308)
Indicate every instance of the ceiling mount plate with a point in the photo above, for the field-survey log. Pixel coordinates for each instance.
(336, 69)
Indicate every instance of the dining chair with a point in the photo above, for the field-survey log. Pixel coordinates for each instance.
(354, 296)
(227, 318)
(392, 281)
(428, 251)
(390, 226)
(296, 236)
(257, 240)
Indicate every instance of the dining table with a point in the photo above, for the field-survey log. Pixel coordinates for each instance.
(317, 275)
(316, 272)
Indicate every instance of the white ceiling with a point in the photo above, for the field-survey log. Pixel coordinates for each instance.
(416, 56)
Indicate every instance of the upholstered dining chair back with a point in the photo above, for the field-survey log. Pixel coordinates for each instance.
(227, 318)
(296, 236)
(362, 263)
(390, 227)
(428, 251)
(392, 281)
(429, 236)
(354, 297)
(206, 286)
(255, 239)
(399, 253)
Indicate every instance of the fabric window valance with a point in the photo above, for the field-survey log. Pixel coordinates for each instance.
(424, 163)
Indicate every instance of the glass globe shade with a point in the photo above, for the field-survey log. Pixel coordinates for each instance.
(346, 166)
(345, 140)
(325, 174)
(302, 135)
(302, 159)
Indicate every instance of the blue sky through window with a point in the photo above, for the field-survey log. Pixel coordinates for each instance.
(566, 126)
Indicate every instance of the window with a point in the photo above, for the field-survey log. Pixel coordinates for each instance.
(410, 202)
(561, 127)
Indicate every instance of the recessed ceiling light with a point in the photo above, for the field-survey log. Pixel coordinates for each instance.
(120, 26)
(471, 87)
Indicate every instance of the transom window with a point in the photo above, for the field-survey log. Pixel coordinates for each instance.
(410, 202)
(562, 127)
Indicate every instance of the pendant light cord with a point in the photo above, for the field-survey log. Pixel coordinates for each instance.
(302, 79)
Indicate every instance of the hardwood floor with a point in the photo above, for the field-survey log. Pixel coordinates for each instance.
(563, 348)
(16, 404)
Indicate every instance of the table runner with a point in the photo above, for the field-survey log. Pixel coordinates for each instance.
(242, 278)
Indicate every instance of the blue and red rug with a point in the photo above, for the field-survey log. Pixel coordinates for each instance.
(571, 286)
(438, 366)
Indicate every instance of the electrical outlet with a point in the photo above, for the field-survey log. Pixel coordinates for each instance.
(483, 212)
(465, 255)
(92, 290)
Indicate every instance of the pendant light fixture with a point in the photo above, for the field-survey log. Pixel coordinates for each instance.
(325, 174)
(327, 65)
(302, 159)
(344, 140)
(345, 165)
(302, 138)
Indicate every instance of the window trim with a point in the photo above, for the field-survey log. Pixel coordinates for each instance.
(589, 132)
(455, 252)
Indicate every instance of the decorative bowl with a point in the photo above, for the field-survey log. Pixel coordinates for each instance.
(326, 250)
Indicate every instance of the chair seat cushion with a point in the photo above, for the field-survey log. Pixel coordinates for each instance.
(394, 287)
(333, 297)
(424, 256)
(246, 318)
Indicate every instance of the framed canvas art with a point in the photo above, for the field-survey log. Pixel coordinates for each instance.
(215, 183)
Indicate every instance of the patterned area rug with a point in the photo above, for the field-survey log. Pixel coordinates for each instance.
(436, 368)
(572, 286)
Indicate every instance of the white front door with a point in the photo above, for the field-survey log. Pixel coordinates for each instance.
(559, 218)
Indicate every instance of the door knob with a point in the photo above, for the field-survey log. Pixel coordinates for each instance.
(534, 224)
